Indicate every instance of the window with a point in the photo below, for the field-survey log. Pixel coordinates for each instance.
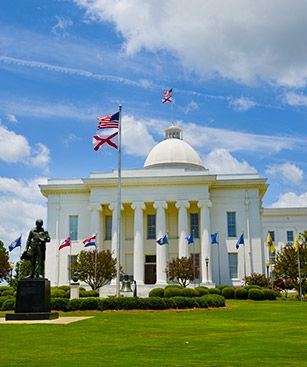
(71, 261)
(151, 226)
(150, 259)
(73, 227)
(231, 224)
(233, 265)
(194, 225)
(195, 258)
(272, 234)
(290, 237)
(108, 227)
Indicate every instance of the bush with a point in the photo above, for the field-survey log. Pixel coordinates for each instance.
(5, 288)
(256, 279)
(222, 286)
(190, 292)
(157, 303)
(202, 290)
(65, 288)
(8, 292)
(269, 294)
(58, 293)
(256, 294)
(211, 300)
(173, 286)
(248, 287)
(59, 304)
(156, 292)
(228, 292)
(214, 291)
(184, 302)
(90, 303)
(90, 293)
(172, 292)
(5, 298)
(8, 304)
(241, 293)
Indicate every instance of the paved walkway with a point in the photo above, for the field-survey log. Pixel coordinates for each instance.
(61, 320)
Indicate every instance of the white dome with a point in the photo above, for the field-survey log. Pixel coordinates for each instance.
(173, 152)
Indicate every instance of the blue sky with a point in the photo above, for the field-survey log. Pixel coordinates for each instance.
(238, 69)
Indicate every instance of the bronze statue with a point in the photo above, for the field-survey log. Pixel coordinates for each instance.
(37, 242)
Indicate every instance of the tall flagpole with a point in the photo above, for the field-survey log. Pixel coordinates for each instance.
(299, 273)
(218, 259)
(118, 204)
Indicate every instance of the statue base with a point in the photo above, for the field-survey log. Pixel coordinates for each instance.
(33, 301)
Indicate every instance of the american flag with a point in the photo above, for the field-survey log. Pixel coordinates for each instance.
(108, 122)
(167, 96)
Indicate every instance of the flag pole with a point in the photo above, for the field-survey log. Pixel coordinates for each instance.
(244, 260)
(218, 259)
(299, 273)
(118, 205)
(19, 257)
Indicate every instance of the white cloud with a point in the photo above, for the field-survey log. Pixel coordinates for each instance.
(242, 104)
(15, 148)
(290, 199)
(244, 40)
(220, 161)
(11, 118)
(60, 28)
(137, 140)
(21, 204)
(295, 99)
(192, 106)
(288, 172)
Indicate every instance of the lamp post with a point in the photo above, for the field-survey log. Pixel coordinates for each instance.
(267, 265)
(207, 268)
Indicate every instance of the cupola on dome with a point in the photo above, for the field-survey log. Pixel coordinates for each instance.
(173, 152)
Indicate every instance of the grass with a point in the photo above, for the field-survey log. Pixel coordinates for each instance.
(245, 333)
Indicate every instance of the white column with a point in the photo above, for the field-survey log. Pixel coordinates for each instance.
(248, 239)
(162, 250)
(57, 233)
(138, 244)
(205, 244)
(113, 208)
(182, 205)
(95, 210)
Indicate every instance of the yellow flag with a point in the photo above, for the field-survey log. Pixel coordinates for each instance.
(296, 243)
(270, 244)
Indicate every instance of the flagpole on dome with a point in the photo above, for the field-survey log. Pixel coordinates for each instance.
(118, 205)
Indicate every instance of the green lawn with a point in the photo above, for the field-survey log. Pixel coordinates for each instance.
(246, 333)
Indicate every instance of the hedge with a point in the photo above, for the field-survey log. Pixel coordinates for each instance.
(156, 292)
(190, 292)
(241, 293)
(214, 291)
(269, 294)
(8, 304)
(172, 292)
(256, 294)
(228, 292)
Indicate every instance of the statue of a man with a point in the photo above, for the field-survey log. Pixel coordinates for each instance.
(37, 242)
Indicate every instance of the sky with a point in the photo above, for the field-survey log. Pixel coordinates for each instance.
(238, 69)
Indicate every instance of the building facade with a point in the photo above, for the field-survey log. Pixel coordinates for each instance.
(172, 194)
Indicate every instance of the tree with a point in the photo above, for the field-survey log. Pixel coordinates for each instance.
(95, 268)
(5, 267)
(286, 265)
(181, 270)
(257, 279)
(22, 270)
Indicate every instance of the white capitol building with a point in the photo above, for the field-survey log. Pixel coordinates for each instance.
(175, 194)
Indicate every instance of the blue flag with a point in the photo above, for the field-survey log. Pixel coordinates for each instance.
(163, 240)
(240, 241)
(190, 239)
(14, 244)
(214, 238)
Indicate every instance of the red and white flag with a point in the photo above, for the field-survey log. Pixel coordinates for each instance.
(99, 140)
(108, 122)
(167, 96)
(65, 243)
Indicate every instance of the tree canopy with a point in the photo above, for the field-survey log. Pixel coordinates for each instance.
(181, 270)
(5, 267)
(95, 268)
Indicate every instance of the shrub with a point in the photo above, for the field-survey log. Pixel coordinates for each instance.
(222, 286)
(172, 292)
(173, 286)
(256, 294)
(8, 304)
(5, 298)
(228, 292)
(65, 288)
(8, 292)
(190, 292)
(90, 303)
(156, 292)
(248, 287)
(202, 290)
(269, 294)
(215, 300)
(157, 303)
(90, 293)
(58, 293)
(5, 288)
(256, 279)
(184, 302)
(202, 302)
(241, 293)
(59, 304)
(214, 291)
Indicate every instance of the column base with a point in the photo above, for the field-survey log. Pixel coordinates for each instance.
(208, 284)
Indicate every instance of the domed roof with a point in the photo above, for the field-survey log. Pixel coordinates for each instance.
(173, 152)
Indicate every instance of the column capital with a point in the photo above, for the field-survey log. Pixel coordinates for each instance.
(204, 203)
(160, 205)
(113, 206)
(138, 205)
(94, 207)
(182, 204)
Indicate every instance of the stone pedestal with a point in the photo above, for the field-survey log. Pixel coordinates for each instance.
(74, 290)
(33, 301)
